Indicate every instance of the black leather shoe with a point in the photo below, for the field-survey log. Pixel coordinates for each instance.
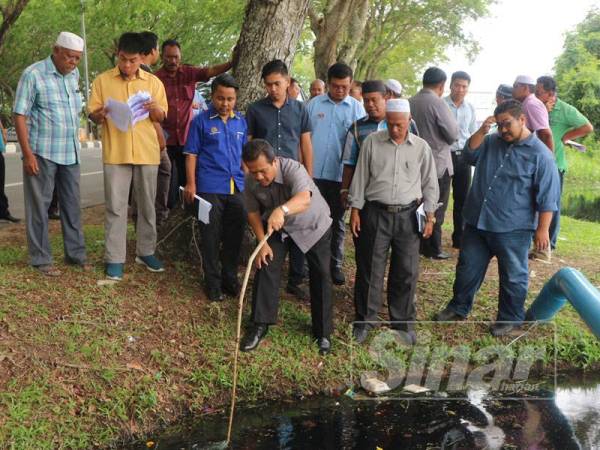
(502, 329)
(337, 276)
(215, 295)
(233, 290)
(441, 256)
(447, 315)
(297, 291)
(360, 334)
(253, 337)
(324, 345)
(10, 218)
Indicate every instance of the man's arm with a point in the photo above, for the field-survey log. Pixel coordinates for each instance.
(265, 253)
(542, 235)
(475, 141)
(545, 135)
(576, 133)
(29, 161)
(218, 69)
(446, 123)
(306, 152)
(190, 174)
(360, 180)
(295, 205)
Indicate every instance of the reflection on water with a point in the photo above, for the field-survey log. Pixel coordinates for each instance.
(570, 421)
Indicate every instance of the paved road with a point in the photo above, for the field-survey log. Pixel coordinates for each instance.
(92, 185)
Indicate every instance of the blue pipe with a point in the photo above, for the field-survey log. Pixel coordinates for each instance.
(568, 284)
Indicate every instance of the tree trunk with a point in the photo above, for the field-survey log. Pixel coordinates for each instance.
(271, 30)
(10, 14)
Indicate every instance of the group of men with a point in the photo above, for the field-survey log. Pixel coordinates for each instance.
(291, 170)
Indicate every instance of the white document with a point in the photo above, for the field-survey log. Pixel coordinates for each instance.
(577, 146)
(421, 217)
(204, 207)
(128, 114)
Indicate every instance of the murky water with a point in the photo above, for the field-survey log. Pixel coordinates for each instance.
(568, 419)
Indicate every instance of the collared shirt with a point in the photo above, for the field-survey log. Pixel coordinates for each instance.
(536, 113)
(394, 174)
(52, 103)
(139, 144)
(437, 126)
(282, 127)
(563, 118)
(330, 122)
(180, 95)
(305, 228)
(466, 120)
(511, 183)
(218, 146)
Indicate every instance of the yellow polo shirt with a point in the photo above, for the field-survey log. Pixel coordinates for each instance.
(139, 145)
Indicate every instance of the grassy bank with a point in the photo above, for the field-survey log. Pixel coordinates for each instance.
(83, 365)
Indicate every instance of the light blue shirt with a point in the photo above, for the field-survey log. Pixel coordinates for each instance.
(467, 122)
(330, 123)
(52, 103)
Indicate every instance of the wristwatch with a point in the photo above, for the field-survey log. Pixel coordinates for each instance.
(285, 210)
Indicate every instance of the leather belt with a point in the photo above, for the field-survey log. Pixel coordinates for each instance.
(395, 208)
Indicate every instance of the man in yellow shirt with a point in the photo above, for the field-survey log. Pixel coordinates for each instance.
(129, 155)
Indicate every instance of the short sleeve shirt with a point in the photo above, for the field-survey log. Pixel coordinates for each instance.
(52, 104)
(535, 113)
(281, 127)
(306, 228)
(564, 117)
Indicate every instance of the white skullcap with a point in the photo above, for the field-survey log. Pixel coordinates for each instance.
(398, 105)
(70, 41)
(394, 86)
(525, 79)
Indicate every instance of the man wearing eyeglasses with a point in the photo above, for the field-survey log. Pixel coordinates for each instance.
(514, 193)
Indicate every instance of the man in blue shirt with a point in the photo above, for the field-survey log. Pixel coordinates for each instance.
(214, 171)
(515, 181)
(331, 116)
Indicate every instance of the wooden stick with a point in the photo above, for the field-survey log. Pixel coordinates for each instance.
(239, 331)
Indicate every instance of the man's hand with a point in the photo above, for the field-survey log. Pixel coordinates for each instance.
(550, 103)
(156, 113)
(541, 239)
(486, 125)
(189, 192)
(428, 229)
(265, 254)
(30, 165)
(276, 220)
(99, 115)
(355, 222)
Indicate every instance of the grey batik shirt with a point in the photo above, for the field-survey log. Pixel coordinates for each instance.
(394, 174)
(305, 228)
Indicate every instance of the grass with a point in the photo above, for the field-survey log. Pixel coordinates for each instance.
(85, 366)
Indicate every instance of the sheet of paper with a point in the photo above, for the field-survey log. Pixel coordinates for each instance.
(204, 206)
(119, 113)
(577, 146)
(136, 104)
(421, 217)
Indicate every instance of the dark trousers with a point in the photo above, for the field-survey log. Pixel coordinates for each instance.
(433, 245)
(478, 247)
(330, 190)
(555, 224)
(3, 199)
(178, 177)
(221, 239)
(297, 262)
(461, 180)
(38, 195)
(381, 230)
(265, 293)
(163, 186)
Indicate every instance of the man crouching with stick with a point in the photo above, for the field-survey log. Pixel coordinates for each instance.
(281, 198)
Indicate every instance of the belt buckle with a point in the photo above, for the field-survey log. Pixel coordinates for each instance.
(458, 152)
(394, 209)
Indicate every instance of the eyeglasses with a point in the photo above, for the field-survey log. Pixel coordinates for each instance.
(506, 124)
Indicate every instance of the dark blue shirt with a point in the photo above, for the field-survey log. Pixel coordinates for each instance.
(218, 146)
(512, 182)
(281, 127)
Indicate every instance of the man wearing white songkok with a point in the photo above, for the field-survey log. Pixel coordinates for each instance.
(394, 174)
(47, 110)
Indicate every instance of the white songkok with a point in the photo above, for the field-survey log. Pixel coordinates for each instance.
(525, 79)
(70, 41)
(398, 105)
(394, 86)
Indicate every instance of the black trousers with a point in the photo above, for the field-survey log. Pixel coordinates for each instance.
(380, 231)
(433, 245)
(265, 293)
(461, 180)
(3, 199)
(178, 177)
(221, 239)
(297, 262)
(330, 190)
